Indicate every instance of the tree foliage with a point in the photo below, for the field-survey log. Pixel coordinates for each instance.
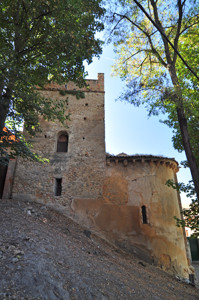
(191, 218)
(42, 41)
(156, 76)
(190, 215)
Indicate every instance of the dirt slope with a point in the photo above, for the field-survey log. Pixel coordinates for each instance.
(44, 255)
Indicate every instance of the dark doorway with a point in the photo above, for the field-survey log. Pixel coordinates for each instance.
(3, 172)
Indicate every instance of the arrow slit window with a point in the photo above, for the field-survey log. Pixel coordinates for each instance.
(144, 215)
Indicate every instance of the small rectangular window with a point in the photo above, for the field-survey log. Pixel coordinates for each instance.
(58, 186)
(144, 215)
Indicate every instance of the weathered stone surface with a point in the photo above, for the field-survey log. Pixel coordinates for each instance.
(108, 195)
(82, 167)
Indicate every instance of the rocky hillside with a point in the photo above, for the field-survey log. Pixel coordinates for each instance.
(44, 255)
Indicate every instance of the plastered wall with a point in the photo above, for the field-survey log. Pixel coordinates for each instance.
(130, 183)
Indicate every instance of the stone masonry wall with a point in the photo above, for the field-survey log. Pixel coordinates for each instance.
(82, 167)
(106, 194)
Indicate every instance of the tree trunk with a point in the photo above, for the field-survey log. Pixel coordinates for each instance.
(4, 108)
(5, 98)
(184, 131)
(187, 147)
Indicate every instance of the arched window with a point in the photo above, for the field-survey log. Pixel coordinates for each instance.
(144, 215)
(62, 142)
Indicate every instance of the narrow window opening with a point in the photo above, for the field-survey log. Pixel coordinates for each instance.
(86, 104)
(3, 172)
(144, 215)
(58, 186)
(62, 143)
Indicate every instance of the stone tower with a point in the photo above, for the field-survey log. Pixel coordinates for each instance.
(76, 152)
(123, 198)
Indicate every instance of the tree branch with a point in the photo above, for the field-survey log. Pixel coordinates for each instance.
(29, 49)
(178, 30)
(188, 27)
(136, 25)
(133, 55)
(117, 23)
(166, 38)
(141, 65)
(155, 52)
(43, 15)
(159, 25)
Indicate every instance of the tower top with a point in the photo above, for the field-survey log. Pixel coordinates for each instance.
(92, 85)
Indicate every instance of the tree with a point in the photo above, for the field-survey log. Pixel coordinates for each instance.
(40, 42)
(191, 218)
(190, 86)
(155, 74)
(190, 215)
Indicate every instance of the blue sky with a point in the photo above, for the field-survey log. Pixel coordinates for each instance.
(127, 128)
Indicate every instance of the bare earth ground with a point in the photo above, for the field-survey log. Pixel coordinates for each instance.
(45, 255)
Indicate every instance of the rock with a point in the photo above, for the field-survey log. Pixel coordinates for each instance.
(18, 252)
(11, 248)
(87, 233)
(141, 263)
